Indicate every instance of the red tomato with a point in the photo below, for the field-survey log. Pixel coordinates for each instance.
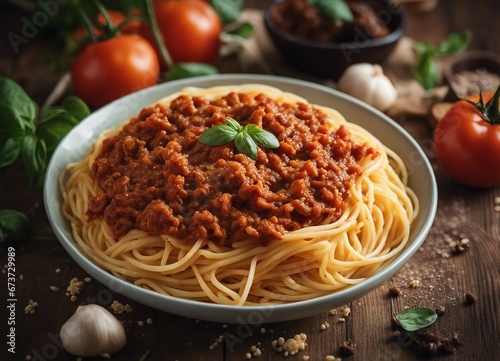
(467, 145)
(105, 71)
(190, 29)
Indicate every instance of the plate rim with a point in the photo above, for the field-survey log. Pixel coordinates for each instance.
(229, 313)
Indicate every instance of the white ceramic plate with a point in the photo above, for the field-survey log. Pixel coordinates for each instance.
(74, 146)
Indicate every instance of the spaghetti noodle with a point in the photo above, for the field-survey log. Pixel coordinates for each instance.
(303, 263)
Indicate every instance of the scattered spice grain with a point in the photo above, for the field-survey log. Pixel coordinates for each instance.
(394, 292)
(470, 297)
(346, 349)
(440, 310)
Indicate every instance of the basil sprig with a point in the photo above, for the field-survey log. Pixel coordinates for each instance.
(334, 9)
(14, 225)
(246, 139)
(29, 134)
(416, 319)
(426, 71)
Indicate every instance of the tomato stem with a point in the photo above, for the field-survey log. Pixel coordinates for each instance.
(88, 25)
(150, 14)
(489, 111)
(109, 23)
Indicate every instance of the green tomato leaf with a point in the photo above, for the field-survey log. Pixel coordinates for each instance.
(416, 319)
(189, 70)
(218, 135)
(14, 225)
(228, 10)
(262, 137)
(454, 43)
(23, 109)
(246, 145)
(10, 152)
(34, 154)
(333, 9)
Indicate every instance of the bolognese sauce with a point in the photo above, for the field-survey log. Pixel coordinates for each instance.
(155, 176)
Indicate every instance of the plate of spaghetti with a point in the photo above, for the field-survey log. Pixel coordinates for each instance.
(209, 231)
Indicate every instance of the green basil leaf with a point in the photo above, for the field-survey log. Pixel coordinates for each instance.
(14, 225)
(424, 49)
(11, 125)
(76, 107)
(333, 9)
(243, 30)
(218, 135)
(234, 124)
(54, 124)
(34, 154)
(23, 108)
(228, 10)
(262, 137)
(10, 152)
(416, 318)
(426, 73)
(246, 145)
(189, 70)
(454, 43)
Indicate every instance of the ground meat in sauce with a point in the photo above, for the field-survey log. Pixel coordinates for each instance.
(300, 18)
(155, 176)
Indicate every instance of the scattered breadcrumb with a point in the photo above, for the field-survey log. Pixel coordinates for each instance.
(140, 323)
(325, 325)
(341, 320)
(87, 279)
(58, 270)
(28, 358)
(21, 277)
(149, 321)
(414, 283)
(291, 346)
(74, 288)
(219, 340)
(105, 355)
(333, 311)
(30, 308)
(346, 312)
(119, 308)
(54, 288)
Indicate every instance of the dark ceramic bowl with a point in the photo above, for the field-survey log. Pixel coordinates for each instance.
(331, 59)
(487, 63)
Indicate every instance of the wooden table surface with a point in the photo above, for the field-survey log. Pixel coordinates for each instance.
(444, 277)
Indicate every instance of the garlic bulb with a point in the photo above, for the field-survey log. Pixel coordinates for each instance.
(368, 83)
(92, 331)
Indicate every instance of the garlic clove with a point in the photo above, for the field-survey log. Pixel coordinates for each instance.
(92, 331)
(368, 83)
